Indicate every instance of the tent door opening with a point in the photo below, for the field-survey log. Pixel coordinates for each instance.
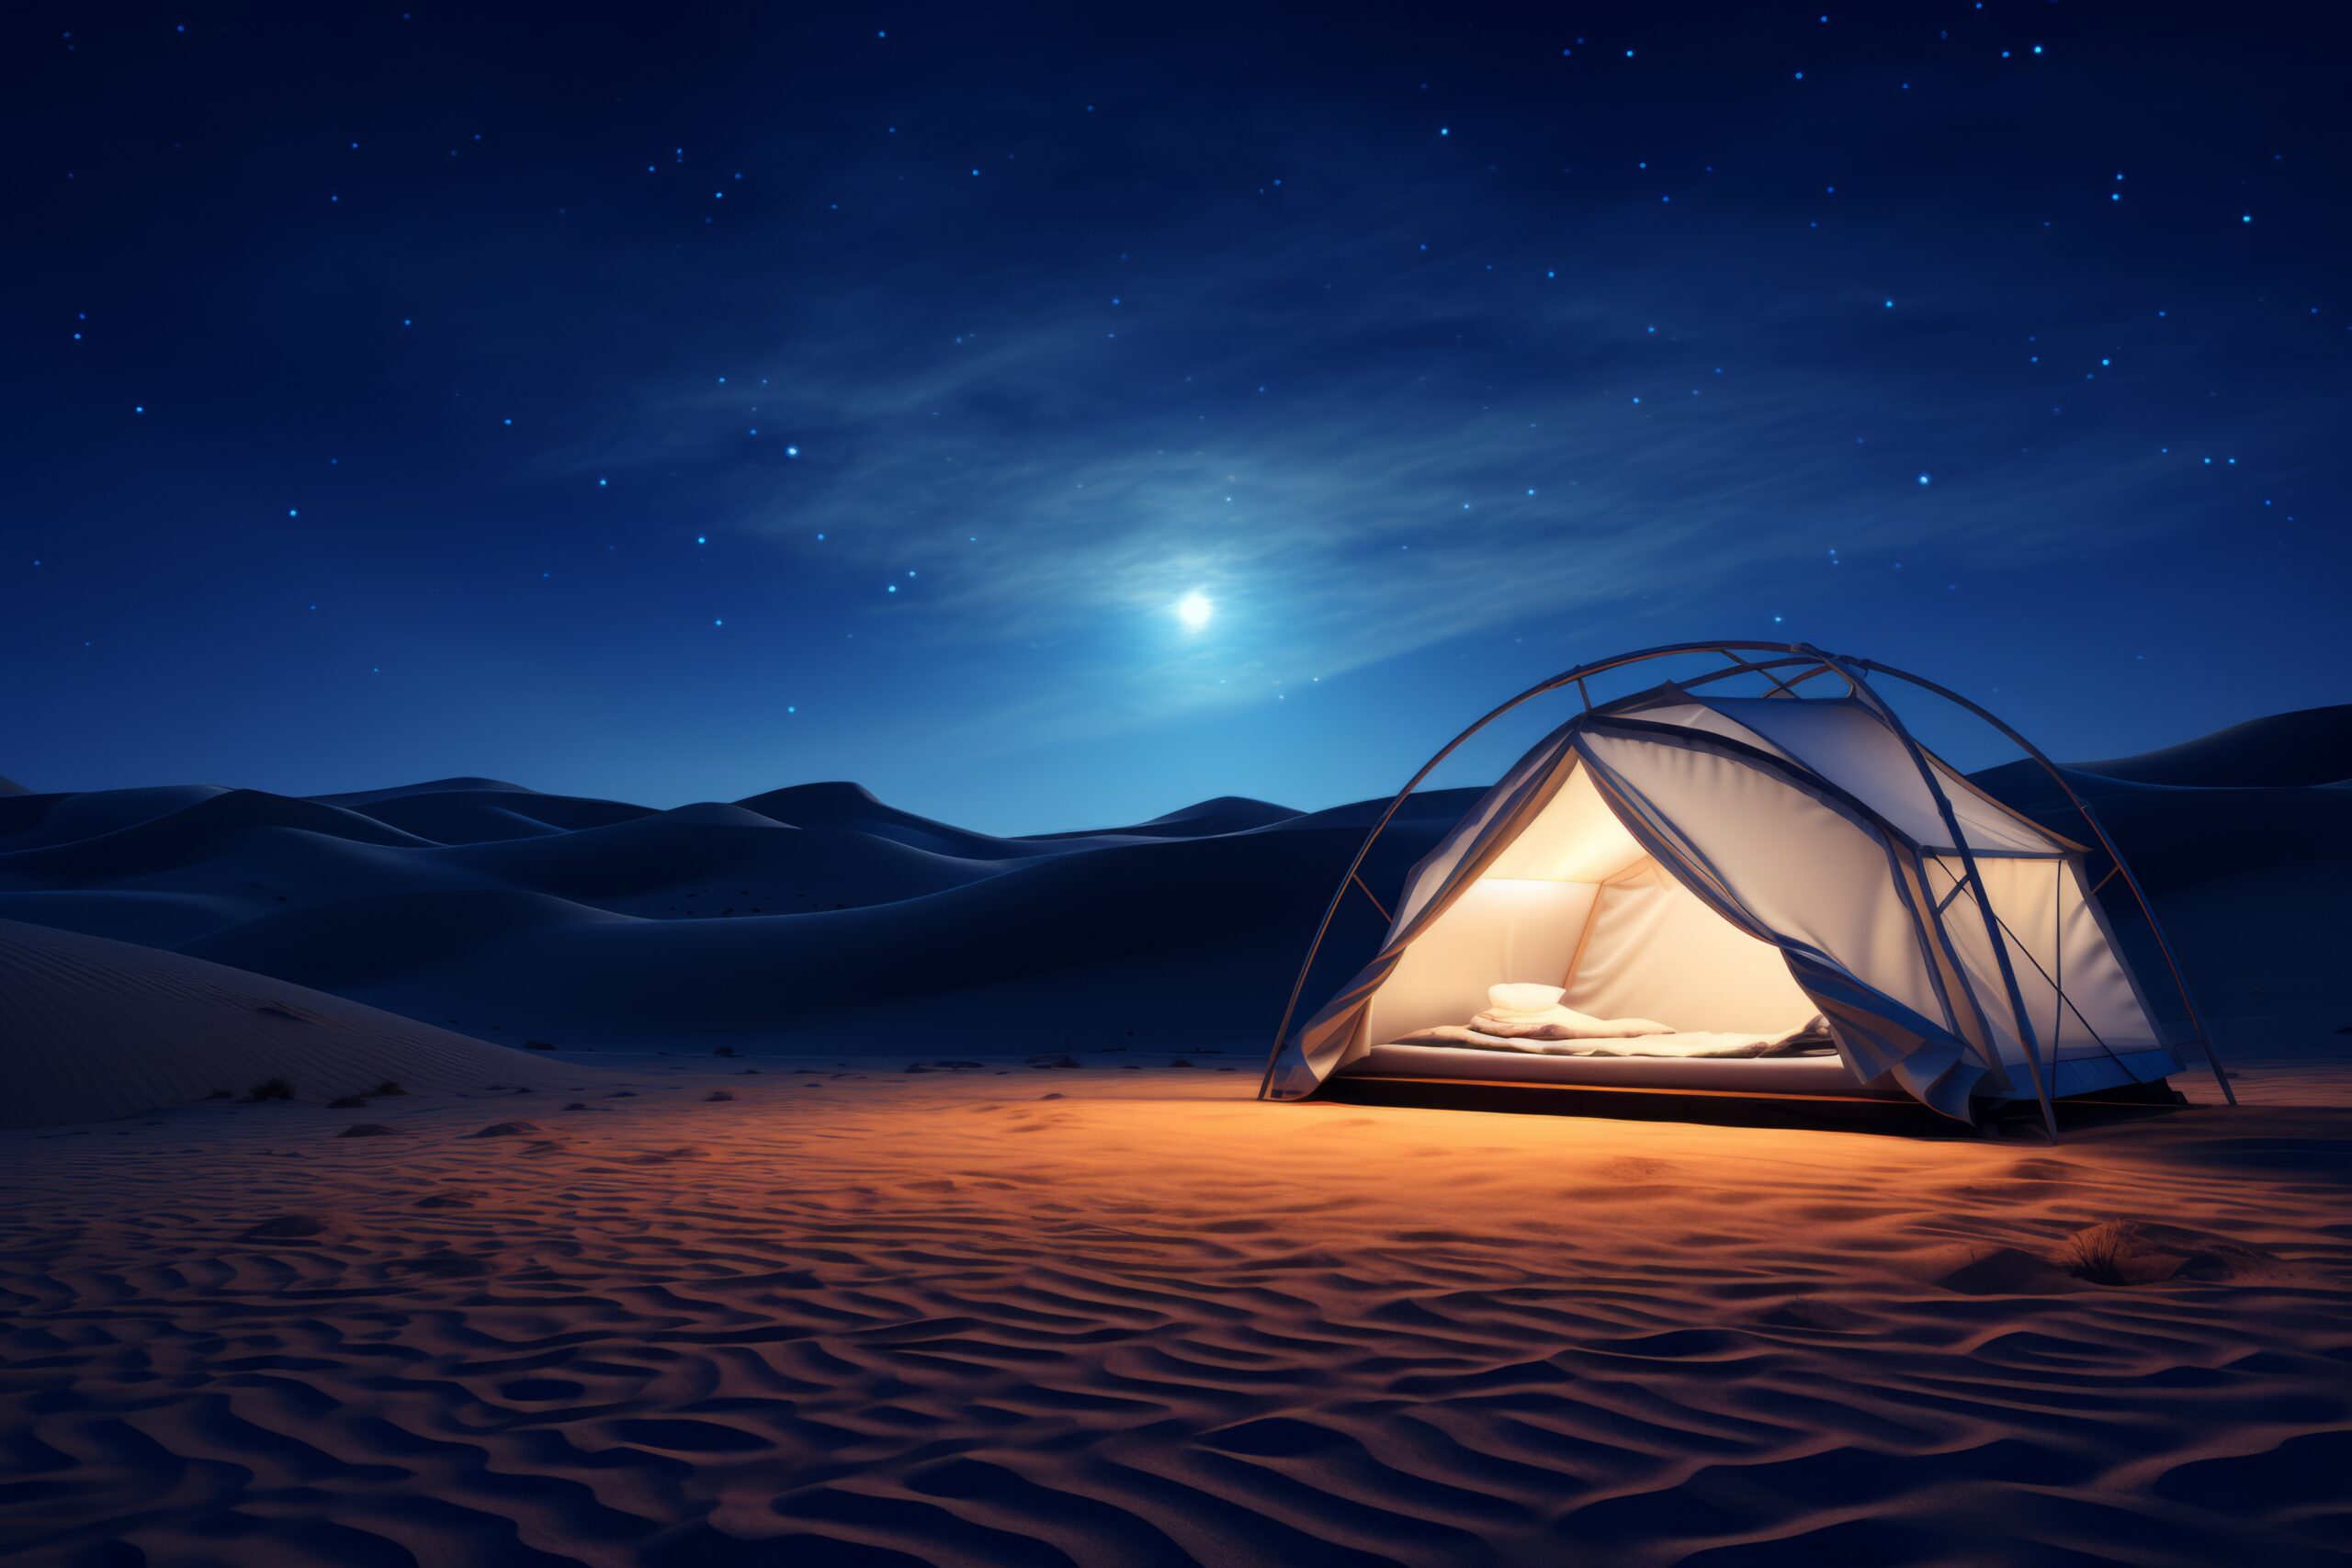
(1576, 902)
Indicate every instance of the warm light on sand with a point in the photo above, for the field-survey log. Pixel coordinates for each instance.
(1108, 1315)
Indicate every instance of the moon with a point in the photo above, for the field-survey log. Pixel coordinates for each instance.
(1195, 610)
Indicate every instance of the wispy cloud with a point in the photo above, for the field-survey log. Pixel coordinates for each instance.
(1369, 513)
(1367, 440)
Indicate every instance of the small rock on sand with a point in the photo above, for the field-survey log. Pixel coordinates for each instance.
(505, 1130)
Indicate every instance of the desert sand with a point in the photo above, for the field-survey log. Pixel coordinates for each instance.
(1014, 1315)
(723, 1280)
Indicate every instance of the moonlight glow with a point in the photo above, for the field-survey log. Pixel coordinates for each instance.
(1195, 610)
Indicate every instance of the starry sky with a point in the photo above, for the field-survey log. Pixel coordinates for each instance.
(675, 402)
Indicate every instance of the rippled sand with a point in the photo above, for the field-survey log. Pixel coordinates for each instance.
(1035, 1316)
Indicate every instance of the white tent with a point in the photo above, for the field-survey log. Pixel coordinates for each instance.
(1746, 870)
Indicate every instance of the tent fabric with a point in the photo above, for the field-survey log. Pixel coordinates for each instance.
(1846, 744)
(1442, 877)
(1779, 863)
(1653, 937)
(1741, 863)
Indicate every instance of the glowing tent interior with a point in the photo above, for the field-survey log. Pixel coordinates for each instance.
(1775, 893)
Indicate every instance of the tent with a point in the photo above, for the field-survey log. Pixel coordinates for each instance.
(1811, 902)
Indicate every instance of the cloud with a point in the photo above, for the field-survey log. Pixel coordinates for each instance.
(1374, 512)
(1333, 431)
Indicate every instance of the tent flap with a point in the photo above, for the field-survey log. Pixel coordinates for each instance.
(1810, 880)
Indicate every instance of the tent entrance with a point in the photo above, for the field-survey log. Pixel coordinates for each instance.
(1576, 901)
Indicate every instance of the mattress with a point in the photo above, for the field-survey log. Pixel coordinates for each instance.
(1743, 1075)
(1670, 1042)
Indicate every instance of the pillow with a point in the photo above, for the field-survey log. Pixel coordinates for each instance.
(1524, 997)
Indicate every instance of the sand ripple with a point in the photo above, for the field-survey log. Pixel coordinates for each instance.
(944, 1320)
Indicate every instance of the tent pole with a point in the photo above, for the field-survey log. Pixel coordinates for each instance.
(1742, 664)
(1992, 934)
(2114, 855)
(1569, 677)
(1932, 920)
(1762, 667)
(2059, 1001)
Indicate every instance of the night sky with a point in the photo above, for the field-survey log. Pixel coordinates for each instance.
(678, 402)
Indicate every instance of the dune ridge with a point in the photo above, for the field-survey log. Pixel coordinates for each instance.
(2309, 746)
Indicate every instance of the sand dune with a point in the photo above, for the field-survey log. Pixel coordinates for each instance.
(1099, 1316)
(768, 924)
(1222, 814)
(777, 924)
(31, 819)
(208, 829)
(468, 811)
(1074, 944)
(666, 863)
(2310, 746)
(854, 808)
(92, 1029)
